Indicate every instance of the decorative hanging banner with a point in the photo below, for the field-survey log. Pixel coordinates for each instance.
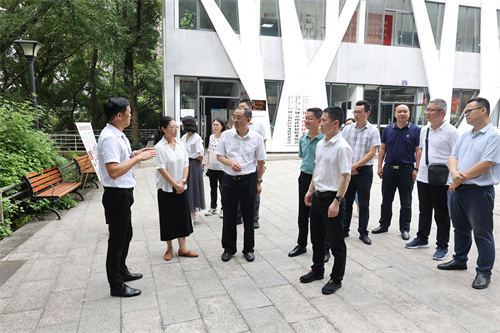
(297, 107)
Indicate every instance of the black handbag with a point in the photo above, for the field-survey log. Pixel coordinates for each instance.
(437, 173)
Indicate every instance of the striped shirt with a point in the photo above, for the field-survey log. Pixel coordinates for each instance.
(361, 140)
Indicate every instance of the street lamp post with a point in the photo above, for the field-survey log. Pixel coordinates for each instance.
(30, 49)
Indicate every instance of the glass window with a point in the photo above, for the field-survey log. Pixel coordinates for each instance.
(269, 19)
(230, 10)
(311, 14)
(188, 93)
(212, 87)
(436, 14)
(498, 22)
(374, 26)
(371, 94)
(273, 92)
(205, 22)
(350, 34)
(404, 29)
(472, 30)
(188, 14)
(338, 96)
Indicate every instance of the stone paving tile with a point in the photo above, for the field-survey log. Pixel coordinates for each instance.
(101, 315)
(30, 296)
(279, 259)
(97, 287)
(177, 305)
(264, 274)
(147, 300)
(245, 293)
(316, 325)
(80, 256)
(72, 277)
(147, 320)
(168, 276)
(12, 323)
(291, 304)
(195, 264)
(204, 283)
(62, 307)
(193, 326)
(266, 319)
(62, 328)
(215, 311)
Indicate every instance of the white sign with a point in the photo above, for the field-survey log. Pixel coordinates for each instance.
(297, 108)
(88, 138)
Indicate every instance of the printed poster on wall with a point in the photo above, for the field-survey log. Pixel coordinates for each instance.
(88, 138)
(297, 107)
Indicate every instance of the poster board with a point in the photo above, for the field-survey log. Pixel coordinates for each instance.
(295, 122)
(88, 139)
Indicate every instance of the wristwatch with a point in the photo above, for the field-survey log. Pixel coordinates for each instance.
(260, 180)
(339, 199)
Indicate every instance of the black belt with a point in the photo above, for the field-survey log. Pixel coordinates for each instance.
(237, 178)
(325, 194)
(400, 166)
(131, 189)
(364, 167)
(471, 186)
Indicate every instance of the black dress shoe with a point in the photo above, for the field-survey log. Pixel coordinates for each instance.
(226, 256)
(346, 234)
(327, 257)
(452, 265)
(256, 225)
(365, 239)
(481, 281)
(249, 256)
(125, 291)
(297, 250)
(311, 276)
(379, 230)
(405, 235)
(331, 286)
(127, 276)
(239, 221)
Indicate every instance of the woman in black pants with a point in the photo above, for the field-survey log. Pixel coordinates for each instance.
(215, 172)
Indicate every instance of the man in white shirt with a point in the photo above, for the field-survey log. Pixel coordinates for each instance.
(118, 180)
(242, 153)
(259, 128)
(325, 195)
(437, 140)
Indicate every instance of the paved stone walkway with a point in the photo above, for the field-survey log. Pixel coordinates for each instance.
(55, 281)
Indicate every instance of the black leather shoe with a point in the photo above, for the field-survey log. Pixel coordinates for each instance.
(379, 230)
(249, 256)
(327, 257)
(365, 239)
(311, 276)
(239, 221)
(127, 276)
(405, 235)
(452, 265)
(256, 225)
(331, 286)
(226, 256)
(297, 250)
(481, 281)
(346, 234)
(125, 291)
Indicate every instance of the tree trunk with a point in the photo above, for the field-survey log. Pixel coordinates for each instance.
(93, 90)
(129, 82)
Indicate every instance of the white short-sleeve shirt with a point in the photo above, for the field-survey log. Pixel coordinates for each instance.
(194, 145)
(172, 160)
(333, 158)
(245, 150)
(113, 146)
(259, 128)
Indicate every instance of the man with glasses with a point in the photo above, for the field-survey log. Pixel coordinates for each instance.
(474, 167)
(364, 140)
(259, 128)
(437, 140)
(399, 146)
(242, 153)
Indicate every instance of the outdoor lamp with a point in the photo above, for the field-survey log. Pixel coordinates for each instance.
(30, 50)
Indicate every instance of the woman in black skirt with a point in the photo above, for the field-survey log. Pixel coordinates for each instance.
(195, 151)
(172, 168)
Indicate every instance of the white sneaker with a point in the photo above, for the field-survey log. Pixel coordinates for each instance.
(220, 214)
(211, 212)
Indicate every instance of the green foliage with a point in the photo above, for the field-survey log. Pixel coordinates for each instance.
(188, 20)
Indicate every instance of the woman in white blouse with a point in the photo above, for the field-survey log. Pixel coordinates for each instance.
(195, 151)
(172, 169)
(215, 173)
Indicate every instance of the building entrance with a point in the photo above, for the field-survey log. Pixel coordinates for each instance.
(212, 108)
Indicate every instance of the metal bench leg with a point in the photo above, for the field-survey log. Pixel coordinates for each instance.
(81, 197)
(57, 213)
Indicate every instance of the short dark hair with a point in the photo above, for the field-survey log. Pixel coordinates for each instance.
(367, 105)
(164, 122)
(189, 124)
(247, 112)
(247, 102)
(222, 123)
(115, 105)
(335, 113)
(316, 111)
(483, 102)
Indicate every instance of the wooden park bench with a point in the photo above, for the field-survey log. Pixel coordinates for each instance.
(86, 170)
(48, 184)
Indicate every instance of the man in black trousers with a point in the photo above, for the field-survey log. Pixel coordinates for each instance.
(118, 180)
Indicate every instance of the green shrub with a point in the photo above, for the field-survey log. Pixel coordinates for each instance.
(23, 150)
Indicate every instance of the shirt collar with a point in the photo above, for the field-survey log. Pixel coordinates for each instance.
(482, 130)
(115, 130)
(394, 125)
(316, 137)
(234, 132)
(334, 139)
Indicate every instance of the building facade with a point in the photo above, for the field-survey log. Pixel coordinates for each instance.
(290, 55)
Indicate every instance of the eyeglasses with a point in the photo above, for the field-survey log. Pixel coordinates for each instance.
(171, 127)
(466, 112)
(238, 118)
(432, 110)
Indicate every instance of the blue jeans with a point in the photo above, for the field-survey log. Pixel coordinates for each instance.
(402, 180)
(472, 211)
